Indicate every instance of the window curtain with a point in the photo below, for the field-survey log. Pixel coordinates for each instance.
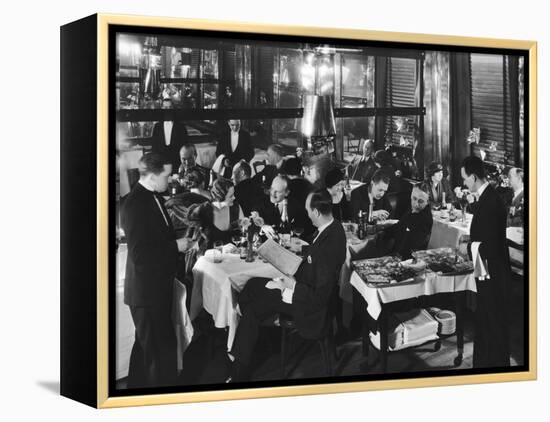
(460, 112)
(436, 102)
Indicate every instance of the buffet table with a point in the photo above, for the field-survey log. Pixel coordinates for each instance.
(384, 300)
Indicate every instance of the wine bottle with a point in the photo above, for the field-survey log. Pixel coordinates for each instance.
(370, 218)
(284, 226)
(360, 232)
(211, 181)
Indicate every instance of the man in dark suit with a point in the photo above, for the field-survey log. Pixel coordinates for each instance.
(167, 139)
(488, 237)
(306, 296)
(411, 233)
(275, 155)
(188, 162)
(235, 145)
(515, 213)
(298, 187)
(278, 200)
(150, 269)
(372, 192)
(362, 168)
(248, 194)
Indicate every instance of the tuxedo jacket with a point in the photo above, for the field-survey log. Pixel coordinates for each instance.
(244, 148)
(269, 172)
(317, 281)
(297, 216)
(152, 250)
(360, 201)
(251, 197)
(178, 137)
(299, 189)
(411, 233)
(342, 210)
(489, 228)
(515, 219)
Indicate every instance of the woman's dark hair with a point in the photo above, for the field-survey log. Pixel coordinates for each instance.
(382, 157)
(333, 176)
(292, 166)
(220, 188)
(380, 175)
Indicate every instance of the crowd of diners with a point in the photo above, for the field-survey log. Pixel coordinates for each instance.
(165, 237)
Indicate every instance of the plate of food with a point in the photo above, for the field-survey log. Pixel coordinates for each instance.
(414, 264)
(385, 271)
(386, 223)
(444, 260)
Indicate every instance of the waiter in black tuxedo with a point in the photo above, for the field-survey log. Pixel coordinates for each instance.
(167, 139)
(235, 145)
(150, 269)
(488, 236)
(306, 296)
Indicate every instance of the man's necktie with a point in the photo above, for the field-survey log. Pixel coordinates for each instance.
(314, 237)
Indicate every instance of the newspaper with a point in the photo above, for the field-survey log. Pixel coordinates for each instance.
(281, 258)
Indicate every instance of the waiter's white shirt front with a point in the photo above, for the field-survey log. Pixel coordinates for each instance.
(234, 140)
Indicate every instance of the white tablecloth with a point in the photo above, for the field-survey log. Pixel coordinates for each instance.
(125, 329)
(431, 284)
(214, 286)
(446, 233)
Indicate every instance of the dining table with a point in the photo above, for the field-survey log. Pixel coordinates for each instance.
(217, 285)
(447, 233)
(383, 300)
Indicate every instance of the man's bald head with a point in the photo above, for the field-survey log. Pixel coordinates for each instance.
(279, 189)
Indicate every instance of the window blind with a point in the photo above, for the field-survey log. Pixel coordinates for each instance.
(401, 86)
(491, 106)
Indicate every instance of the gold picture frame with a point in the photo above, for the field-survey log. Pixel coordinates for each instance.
(98, 26)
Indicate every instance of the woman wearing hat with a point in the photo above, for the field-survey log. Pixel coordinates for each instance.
(439, 186)
(334, 182)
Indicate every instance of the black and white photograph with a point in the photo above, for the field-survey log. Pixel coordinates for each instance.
(302, 210)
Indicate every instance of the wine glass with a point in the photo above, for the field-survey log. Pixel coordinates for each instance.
(236, 238)
(218, 248)
(297, 231)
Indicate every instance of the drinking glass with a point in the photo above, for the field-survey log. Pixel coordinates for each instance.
(218, 248)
